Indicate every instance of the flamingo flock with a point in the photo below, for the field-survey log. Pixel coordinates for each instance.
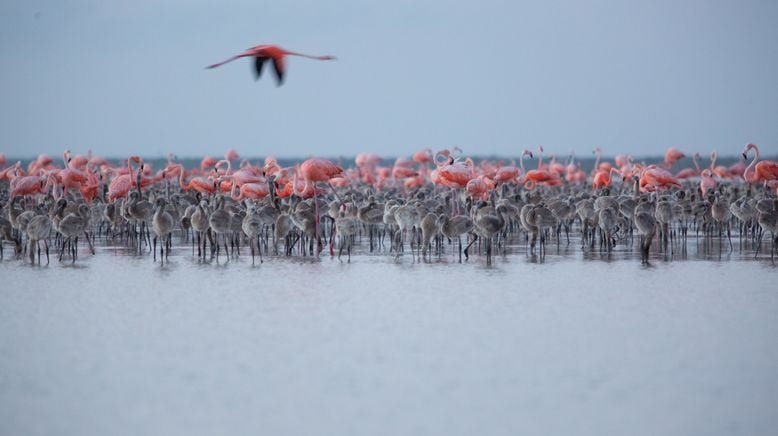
(433, 204)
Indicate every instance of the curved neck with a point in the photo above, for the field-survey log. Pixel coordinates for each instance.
(440, 162)
(294, 185)
(696, 164)
(540, 158)
(184, 186)
(713, 157)
(751, 168)
(235, 194)
(223, 161)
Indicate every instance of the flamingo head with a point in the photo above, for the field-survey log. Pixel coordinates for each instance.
(748, 146)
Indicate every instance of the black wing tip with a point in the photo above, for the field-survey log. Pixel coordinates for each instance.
(259, 62)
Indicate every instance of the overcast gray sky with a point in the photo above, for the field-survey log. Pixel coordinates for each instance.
(491, 76)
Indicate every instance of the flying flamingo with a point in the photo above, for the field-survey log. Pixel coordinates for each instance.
(262, 53)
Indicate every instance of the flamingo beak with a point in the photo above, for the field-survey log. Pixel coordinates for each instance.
(745, 157)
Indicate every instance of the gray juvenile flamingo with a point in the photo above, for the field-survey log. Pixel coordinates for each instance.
(38, 229)
(646, 226)
(162, 224)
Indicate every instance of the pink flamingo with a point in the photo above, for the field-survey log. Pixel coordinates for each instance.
(479, 187)
(598, 166)
(200, 184)
(231, 155)
(253, 191)
(737, 169)
(706, 181)
(622, 160)
(720, 171)
(242, 176)
(556, 167)
(540, 158)
(27, 185)
(540, 175)
(423, 157)
(456, 174)
(402, 170)
(7, 173)
(42, 162)
(122, 184)
(672, 155)
(602, 179)
(762, 171)
(89, 189)
(690, 172)
(79, 162)
(262, 53)
(654, 177)
(509, 173)
(208, 162)
(271, 167)
(70, 176)
(319, 170)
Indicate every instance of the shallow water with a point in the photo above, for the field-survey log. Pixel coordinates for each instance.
(578, 344)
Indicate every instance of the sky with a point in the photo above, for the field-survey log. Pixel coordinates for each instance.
(493, 77)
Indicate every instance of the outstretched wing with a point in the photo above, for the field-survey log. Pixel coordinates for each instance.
(278, 66)
(259, 61)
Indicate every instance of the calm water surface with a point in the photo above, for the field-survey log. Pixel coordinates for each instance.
(115, 344)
